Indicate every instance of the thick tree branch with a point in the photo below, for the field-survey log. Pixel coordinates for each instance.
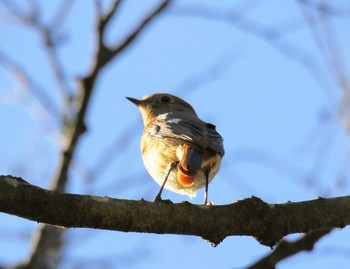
(268, 223)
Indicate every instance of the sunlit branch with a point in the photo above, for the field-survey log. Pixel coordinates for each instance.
(267, 223)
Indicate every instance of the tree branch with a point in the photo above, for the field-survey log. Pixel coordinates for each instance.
(49, 35)
(31, 85)
(49, 238)
(272, 35)
(268, 223)
(106, 54)
(286, 249)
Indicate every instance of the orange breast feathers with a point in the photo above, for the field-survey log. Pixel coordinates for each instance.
(190, 163)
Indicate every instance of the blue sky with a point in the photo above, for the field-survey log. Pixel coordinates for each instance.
(279, 119)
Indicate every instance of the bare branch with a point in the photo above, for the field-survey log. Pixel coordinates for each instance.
(29, 83)
(335, 53)
(209, 74)
(329, 8)
(103, 20)
(49, 35)
(119, 144)
(107, 54)
(271, 35)
(74, 130)
(15, 10)
(330, 52)
(286, 249)
(62, 13)
(268, 223)
(56, 65)
(327, 45)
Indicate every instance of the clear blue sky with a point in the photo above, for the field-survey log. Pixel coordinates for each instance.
(279, 119)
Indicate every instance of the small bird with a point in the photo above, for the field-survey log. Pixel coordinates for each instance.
(181, 152)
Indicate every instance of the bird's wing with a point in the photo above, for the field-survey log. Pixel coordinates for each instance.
(187, 128)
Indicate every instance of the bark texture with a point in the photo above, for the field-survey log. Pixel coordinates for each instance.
(268, 223)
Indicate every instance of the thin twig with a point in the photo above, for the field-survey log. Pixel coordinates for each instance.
(335, 52)
(33, 86)
(49, 36)
(329, 9)
(103, 19)
(62, 13)
(107, 54)
(269, 34)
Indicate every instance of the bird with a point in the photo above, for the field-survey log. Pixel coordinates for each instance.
(181, 152)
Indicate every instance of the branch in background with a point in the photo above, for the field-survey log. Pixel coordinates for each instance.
(286, 249)
(62, 13)
(327, 44)
(329, 9)
(103, 20)
(29, 84)
(272, 35)
(52, 39)
(105, 159)
(106, 54)
(49, 35)
(336, 56)
(209, 74)
(49, 239)
(268, 223)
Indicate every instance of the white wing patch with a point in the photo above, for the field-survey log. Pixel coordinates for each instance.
(176, 121)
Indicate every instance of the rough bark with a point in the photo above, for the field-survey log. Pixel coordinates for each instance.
(268, 223)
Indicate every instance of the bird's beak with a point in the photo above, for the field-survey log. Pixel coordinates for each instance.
(135, 101)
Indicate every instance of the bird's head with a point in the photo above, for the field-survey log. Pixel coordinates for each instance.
(160, 103)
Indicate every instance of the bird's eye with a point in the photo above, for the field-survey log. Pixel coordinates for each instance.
(165, 99)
